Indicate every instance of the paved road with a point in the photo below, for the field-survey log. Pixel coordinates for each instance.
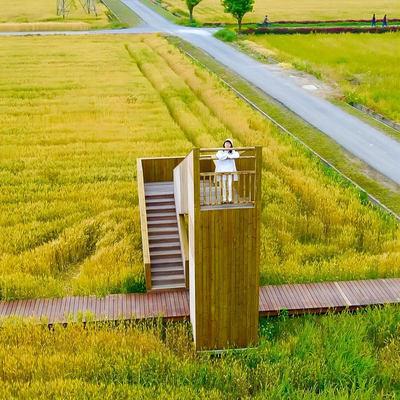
(374, 147)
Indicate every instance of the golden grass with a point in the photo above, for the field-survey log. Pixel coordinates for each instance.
(365, 66)
(75, 116)
(44, 26)
(212, 11)
(40, 15)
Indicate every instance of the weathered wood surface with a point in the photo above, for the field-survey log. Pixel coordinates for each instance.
(160, 169)
(319, 297)
(297, 299)
(171, 305)
(167, 264)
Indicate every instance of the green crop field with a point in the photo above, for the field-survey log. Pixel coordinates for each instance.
(365, 66)
(341, 356)
(212, 11)
(75, 115)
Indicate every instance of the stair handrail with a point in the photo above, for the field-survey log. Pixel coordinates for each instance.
(143, 224)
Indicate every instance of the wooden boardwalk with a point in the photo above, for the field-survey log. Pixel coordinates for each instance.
(174, 305)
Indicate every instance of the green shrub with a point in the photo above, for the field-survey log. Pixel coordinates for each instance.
(227, 35)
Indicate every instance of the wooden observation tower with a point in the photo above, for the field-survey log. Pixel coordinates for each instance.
(192, 240)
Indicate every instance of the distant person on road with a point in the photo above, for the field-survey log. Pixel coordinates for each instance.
(384, 21)
(226, 163)
(373, 22)
(266, 21)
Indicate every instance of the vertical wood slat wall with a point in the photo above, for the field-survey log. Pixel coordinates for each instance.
(159, 169)
(224, 280)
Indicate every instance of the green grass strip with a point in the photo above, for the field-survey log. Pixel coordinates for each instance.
(127, 17)
(164, 13)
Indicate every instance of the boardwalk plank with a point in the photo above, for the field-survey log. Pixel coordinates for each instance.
(298, 298)
(322, 297)
(347, 290)
(337, 298)
(392, 287)
(363, 298)
(330, 298)
(380, 295)
(273, 296)
(298, 294)
(312, 295)
(23, 308)
(286, 297)
(269, 299)
(385, 291)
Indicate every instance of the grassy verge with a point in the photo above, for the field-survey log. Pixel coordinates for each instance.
(126, 16)
(167, 15)
(370, 180)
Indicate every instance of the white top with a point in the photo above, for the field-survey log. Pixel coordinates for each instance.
(226, 161)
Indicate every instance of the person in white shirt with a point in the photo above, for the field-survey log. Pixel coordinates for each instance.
(226, 163)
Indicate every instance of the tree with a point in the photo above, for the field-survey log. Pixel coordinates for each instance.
(190, 5)
(238, 8)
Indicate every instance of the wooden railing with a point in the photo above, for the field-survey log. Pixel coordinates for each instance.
(143, 224)
(213, 186)
(187, 199)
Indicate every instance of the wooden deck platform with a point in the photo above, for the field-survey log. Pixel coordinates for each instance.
(174, 305)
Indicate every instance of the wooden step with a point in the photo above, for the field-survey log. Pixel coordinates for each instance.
(158, 287)
(160, 245)
(166, 270)
(164, 201)
(156, 253)
(170, 261)
(158, 196)
(168, 279)
(169, 184)
(161, 216)
(162, 223)
(163, 238)
(163, 230)
(160, 208)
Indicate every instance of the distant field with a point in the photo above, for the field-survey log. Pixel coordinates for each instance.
(366, 66)
(75, 115)
(212, 11)
(27, 15)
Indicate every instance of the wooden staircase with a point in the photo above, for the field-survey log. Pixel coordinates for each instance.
(167, 271)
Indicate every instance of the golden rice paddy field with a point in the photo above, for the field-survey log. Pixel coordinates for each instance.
(212, 11)
(75, 115)
(365, 66)
(40, 15)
